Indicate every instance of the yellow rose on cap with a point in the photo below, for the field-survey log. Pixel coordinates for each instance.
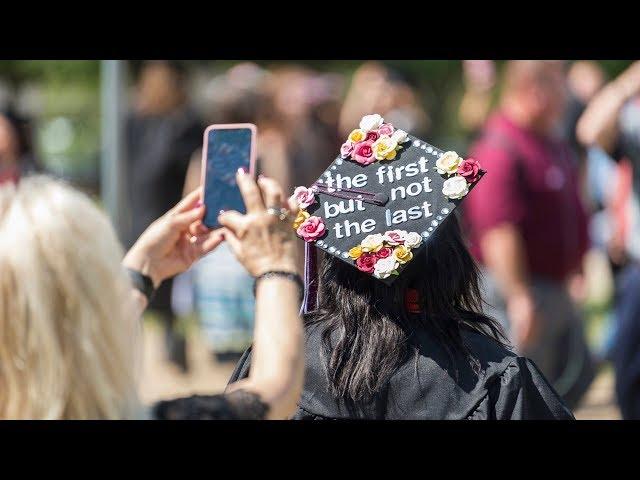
(357, 135)
(300, 218)
(372, 243)
(402, 254)
(384, 148)
(448, 163)
(356, 252)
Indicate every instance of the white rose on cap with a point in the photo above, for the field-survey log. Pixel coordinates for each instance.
(399, 136)
(371, 122)
(385, 267)
(412, 240)
(455, 187)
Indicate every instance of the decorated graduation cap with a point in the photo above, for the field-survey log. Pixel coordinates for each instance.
(380, 201)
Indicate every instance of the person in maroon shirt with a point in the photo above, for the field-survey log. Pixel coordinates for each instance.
(526, 222)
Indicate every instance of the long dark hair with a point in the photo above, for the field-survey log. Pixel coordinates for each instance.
(366, 327)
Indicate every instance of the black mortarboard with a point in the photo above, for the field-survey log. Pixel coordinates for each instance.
(383, 198)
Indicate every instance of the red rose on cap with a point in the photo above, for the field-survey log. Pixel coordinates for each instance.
(384, 252)
(469, 169)
(372, 136)
(366, 262)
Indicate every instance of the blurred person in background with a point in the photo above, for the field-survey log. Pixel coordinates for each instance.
(162, 132)
(611, 124)
(585, 78)
(218, 289)
(528, 226)
(297, 122)
(69, 325)
(297, 141)
(376, 88)
(479, 78)
(16, 149)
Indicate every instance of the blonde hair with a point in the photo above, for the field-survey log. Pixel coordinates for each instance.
(67, 337)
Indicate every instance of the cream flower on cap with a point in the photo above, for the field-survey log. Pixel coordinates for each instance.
(455, 187)
(399, 136)
(412, 239)
(385, 267)
(448, 163)
(372, 243)
(371, 122)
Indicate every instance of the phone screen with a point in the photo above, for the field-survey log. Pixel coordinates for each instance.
(228, 149)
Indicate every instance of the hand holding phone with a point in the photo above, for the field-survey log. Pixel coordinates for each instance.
(226, 149)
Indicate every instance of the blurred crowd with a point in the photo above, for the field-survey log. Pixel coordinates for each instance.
(555, 225)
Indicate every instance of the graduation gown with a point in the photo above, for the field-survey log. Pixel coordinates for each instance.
(433, 386)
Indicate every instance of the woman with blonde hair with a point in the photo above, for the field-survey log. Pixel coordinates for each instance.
(69, 331)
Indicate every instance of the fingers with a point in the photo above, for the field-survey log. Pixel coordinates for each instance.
(234, 243)
(198, 228)
(250, 192)
(185, 219)
(189, 201)
(233, 220)
(293, 204)
(271, 192)
(208, 242)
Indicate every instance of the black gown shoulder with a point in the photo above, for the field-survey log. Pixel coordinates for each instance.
(433, 386)
(238, 405)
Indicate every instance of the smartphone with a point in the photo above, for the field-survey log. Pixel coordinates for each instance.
(226, 149)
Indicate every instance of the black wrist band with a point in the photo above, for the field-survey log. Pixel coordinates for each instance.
(277, 273)
(142, 283)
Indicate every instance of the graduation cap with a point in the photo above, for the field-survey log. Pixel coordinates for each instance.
(380, 201)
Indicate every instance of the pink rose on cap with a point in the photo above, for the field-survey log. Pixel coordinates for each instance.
(386, 129)
(395, 237)
(311, 229)
(346, 149)
(304, 196)
(363, 153)
(469, 169)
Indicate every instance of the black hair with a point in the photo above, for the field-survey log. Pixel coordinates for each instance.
(366, 328)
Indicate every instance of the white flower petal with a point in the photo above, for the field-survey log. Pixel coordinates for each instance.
(371, 122)
(399, 136)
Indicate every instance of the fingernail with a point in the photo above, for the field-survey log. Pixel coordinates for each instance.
(242, 170)
(199, 204)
